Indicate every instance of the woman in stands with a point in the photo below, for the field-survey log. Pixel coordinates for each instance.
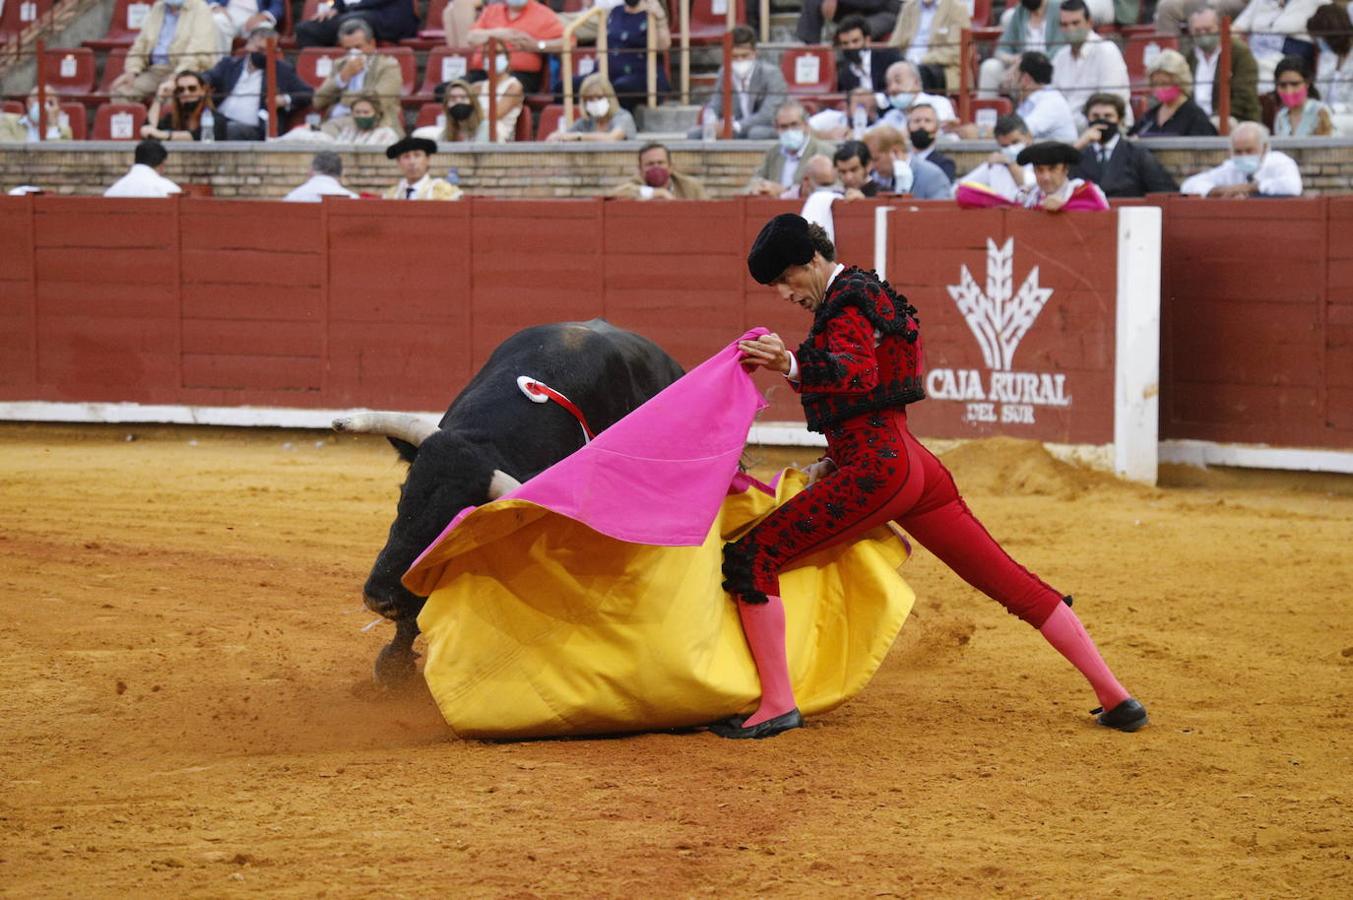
(362, 126)
(603, 118)
(1174, 113)
(462, 118)
(188, 98)
(1302, 114)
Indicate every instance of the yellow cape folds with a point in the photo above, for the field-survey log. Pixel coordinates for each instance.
(560, 630)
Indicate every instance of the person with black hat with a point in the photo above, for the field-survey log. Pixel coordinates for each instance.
(856, 373)
(414, 155)
(1053, 188)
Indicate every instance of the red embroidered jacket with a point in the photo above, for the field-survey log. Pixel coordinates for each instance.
(862, 354)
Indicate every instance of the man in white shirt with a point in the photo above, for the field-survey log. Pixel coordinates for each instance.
(144, 178)
(1088, 64)
(1252, 170)
(1043, 109)
(1269, 23)
(1001, 173)
(326, 170)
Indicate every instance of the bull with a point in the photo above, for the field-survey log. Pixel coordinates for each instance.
(492, 438)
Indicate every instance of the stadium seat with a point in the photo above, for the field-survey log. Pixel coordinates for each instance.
(431, 35)
(709, 20)
(119, 122)
(69, 71)
(408, 67)
(443, 64)
(79, 120)
(14, 107)
(523, 133)
(18, 15)
(809, 70)
(427, 115)
(1142, 50)
(313, 64)
(113, 64)
(550, 117)
(123, 26)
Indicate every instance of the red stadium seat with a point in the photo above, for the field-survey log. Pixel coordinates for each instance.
(20, 15)
(550, 119)
(427, 115)
(119, 122)
(123, 26)
(443, 65)
(431, 34)
(313, 64)
(408, 67)
(709, 20)
(78, 117)
(14, 107)
(1142, 50)
(113, 64)
(523, 132)
(69, 71)
(981, 13)
(809, 70)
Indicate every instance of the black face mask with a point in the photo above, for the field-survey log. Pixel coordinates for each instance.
(921, 139)
(258, 60)
(188, 105)
(852, 56)
(1107, 130)
(460, 111)
(633, 3)
(1031, 5)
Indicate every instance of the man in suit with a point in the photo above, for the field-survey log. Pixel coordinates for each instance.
(927, 34)
(859, 65)
(390, 20)
(758, 88)
(238, 90)
(1205, 55)
(784, 166)
(923, 127)
(362, 71)
(1120, 167)
(879, 15)
(898, 170)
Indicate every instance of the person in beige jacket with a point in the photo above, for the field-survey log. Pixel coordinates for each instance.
(362, 72)
(177, 36)
(928, 33)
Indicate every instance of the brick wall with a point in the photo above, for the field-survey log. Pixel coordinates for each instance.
(535, 170)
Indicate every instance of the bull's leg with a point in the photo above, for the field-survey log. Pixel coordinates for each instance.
(395, 664)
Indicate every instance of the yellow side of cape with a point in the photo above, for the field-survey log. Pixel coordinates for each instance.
(548, 628)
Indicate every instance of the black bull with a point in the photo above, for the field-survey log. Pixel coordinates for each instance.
(493, 437)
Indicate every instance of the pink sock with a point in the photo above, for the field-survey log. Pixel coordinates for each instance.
(1064, 631)
(764, 626)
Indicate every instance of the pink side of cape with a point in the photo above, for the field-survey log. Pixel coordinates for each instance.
(659, 475)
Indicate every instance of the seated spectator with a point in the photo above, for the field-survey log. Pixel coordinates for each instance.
(1043, 108)
(1203, 59)
(144, 179)
(879, 15)
(1276, 28)
(23, 127)
(1302, 113)
(603, 118)
(1053, 189)
(1253, 169)
(1333, 32)
(239, 92)
(176, 35)
(818, 175)
(187, 98)
(819, 191)
(1088, 64)
(853, 162)
(657, 179)
(783, 167)
(904, 90)
(1001, 174)
(363, 72)
(626, 41)
(923, 127)
(388, 20)
(462, 119)
(858, 64)
(1034, 26)
(240, 18)
(1174, 114)
(837, 125)
(897, 170)
(414, 156)
(360, 127)
(326, 173)
(758, 88)
(524, 29)
(1120, 167)
(928, 33)
(1173, 16)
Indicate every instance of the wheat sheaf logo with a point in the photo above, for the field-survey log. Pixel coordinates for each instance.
(999, 317)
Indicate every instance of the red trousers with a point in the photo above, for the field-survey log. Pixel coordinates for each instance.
(883, 474)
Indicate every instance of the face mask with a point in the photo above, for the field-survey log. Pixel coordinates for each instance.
(1031, 5)
(1013, 151)
(33, 113)
(1108, 129)
(903, 177)
(1207, 42)
(188, 105)
(1247, 165)
(174, 4)
(460, 111)
(365, 123)
(633, 3)
(258, 60)
(1166, 94)
(1293, 99)
(1076, 36)
(598, 107)
(921, 139)
(793, 139)
(743, 67)
(852, 56)
(500, 62)
(515, 4)
(657, 176)
(901, 101)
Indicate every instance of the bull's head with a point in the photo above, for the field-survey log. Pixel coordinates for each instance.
(445, 475)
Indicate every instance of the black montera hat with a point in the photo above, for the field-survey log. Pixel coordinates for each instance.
(1048, 153)
(410, 143)
(784, 242)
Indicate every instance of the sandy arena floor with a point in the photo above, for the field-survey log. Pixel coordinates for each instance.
(185, 706)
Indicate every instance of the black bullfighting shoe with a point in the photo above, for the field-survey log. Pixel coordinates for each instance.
(1126, 716)
(732, 727)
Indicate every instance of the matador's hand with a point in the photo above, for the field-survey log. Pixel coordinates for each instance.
(767, 351)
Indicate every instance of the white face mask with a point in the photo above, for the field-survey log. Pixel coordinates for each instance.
(500, 62)
(515, 4)
(1012, 151)
(743, 67)
(793, 139)
(902, 176)
(598, 107)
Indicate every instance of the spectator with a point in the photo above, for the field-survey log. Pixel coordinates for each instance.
(853, 161)
(658, 180)
(414, 156)
(784, 166)
(899, 171)
(626, 41)
(462, 118)
(240, 18)
(387, 20)
(1174, 113)
(928, 34)
(239, 92)
(923, 127)
(1174, 16)
(1088, 64)
(1033, 26)
(904, 90)
(362, 72)
(834, 125)
(818, 175)
(858, 64)
(326, 173)
(1253, 169)
(144, 179)
(361, 127)
(1276, 28)
(1120, 167)
(603, 118)
(1205, 35)
(819, 191)
(1000, 173)
(176, 35)
(1333, 33)
(1053, 189)
(1302, 113)
(525, 29)
(23, 127)
(1043, 108)
(879, 15)
(186, 94)
(758, 89)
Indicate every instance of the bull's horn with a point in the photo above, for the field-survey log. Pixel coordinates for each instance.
(502, 483)
(404, 426)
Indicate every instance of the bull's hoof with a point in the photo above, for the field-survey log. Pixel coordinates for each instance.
(395, 666)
